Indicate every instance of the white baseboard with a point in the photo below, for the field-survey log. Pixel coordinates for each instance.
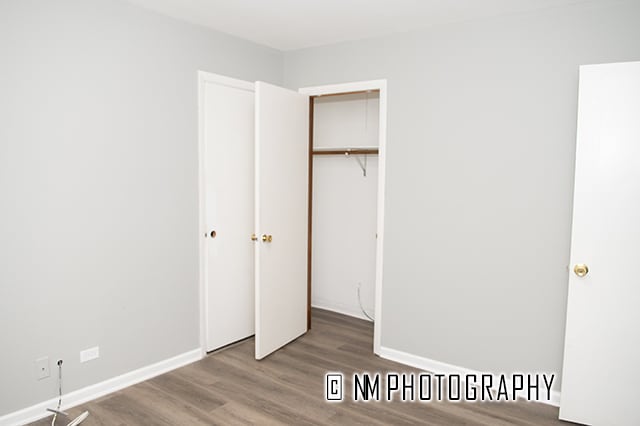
(438, 367)
(80, 396)
(351, 312)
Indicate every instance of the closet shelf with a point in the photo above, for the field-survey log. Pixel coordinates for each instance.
(345, 151)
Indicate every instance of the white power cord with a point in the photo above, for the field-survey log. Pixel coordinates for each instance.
(77, 420)
(57, 410)
(360, 303)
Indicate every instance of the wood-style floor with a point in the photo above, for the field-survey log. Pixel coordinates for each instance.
(230, 388)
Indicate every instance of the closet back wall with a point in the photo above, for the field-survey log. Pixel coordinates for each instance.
(344, 204)
(99, 186)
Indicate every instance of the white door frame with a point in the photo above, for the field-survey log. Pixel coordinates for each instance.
(381, 86)
(204, 78)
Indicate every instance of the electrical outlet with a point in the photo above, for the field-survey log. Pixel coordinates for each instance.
(42, 368)
(89, 354)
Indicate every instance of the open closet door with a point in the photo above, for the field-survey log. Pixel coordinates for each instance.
(281, 190)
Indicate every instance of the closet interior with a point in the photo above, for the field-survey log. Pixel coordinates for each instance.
(343, 188)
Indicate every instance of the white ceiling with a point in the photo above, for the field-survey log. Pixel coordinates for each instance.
(296, 24)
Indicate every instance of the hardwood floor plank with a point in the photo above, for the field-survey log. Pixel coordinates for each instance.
(235, 413)
(124, 407)
(174, 384)
(169, 407)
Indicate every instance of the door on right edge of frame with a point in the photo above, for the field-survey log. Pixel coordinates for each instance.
(602, 341)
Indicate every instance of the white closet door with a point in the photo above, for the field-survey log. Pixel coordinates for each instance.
(228, 119)
(602, 344)
(281, 186)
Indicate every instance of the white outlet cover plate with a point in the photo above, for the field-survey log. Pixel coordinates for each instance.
(89, 354)
(42, 368)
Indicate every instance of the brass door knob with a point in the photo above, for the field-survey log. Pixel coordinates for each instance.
(253, 237)
(581, 269)
(213, 234)
(267, 238)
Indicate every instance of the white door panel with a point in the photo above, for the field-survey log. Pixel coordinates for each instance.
(282, 132)
(229, 178)
(602, 343)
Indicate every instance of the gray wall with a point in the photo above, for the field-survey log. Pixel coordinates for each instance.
(481, 149)
(98, 186)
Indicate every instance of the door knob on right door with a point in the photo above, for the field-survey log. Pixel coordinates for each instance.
(581, 269)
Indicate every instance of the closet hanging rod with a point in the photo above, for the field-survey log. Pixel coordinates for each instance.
(348, 151)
